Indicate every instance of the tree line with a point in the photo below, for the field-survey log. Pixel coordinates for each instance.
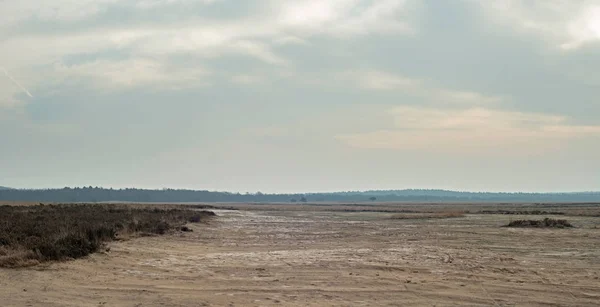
(97, 194)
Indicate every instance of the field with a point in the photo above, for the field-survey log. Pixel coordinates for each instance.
(340, 255)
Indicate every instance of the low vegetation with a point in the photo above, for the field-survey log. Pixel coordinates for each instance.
(521, 212)
(545, 223)
(433, 215)
(33, 234)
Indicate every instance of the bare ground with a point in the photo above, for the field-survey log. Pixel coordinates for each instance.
(306, 257)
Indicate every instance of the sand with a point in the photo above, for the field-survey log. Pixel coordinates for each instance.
(307, 257)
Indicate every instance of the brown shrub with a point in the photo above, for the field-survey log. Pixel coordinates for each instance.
(200, 215)
(33, 234)
(545, 223)
(186, 229)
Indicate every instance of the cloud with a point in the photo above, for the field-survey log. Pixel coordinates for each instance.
(378, 80)
(259, 51)
(461, 96)
(146, 4)
(343, 17)
(43, 36)
(59, 10)
(138, 56)
(421, 79)
(471, 130)
(584, 29)
(385, 81)
(289, 40)
(73, 11)
(134, 73)
(566, 24)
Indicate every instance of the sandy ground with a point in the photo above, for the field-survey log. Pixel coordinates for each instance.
(320, 258)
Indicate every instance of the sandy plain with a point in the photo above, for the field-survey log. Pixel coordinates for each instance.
(334, 255)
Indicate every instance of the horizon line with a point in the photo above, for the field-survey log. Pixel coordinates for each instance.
(299, 193)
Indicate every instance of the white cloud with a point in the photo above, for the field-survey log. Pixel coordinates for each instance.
(459, 96)
(385, 81)
(567, 24)
(133, 73)
(30, 54)
(471, 130)
(146, 4)
(289, 40)
(259, 51)
(584, 29)
(70, 11)
(342, 17)
(15, 12)
(379, 80)
(256, 36)
(312, 13)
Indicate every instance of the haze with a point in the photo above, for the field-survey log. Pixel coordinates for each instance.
(301, 95)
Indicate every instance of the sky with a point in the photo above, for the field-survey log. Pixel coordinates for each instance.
(301, 95)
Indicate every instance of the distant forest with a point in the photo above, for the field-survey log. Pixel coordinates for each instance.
(95, 194)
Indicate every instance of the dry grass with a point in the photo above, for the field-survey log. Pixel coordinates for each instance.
(522, 212)
(35, 234)
(423, 216)
(589, 212)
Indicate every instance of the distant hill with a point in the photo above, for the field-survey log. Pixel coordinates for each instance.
(91, 194)
(5, 188)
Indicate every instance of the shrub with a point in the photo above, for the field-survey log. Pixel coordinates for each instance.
(545, 223)
(33, 234)
(186, 229)
(201, 215)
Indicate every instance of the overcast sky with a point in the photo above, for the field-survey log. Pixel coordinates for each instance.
(301, 95)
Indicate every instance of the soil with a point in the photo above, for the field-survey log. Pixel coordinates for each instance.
(263, 256)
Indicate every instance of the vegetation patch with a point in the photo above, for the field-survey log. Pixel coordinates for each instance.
(33, 234)
(545, 223)
(521, 212)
